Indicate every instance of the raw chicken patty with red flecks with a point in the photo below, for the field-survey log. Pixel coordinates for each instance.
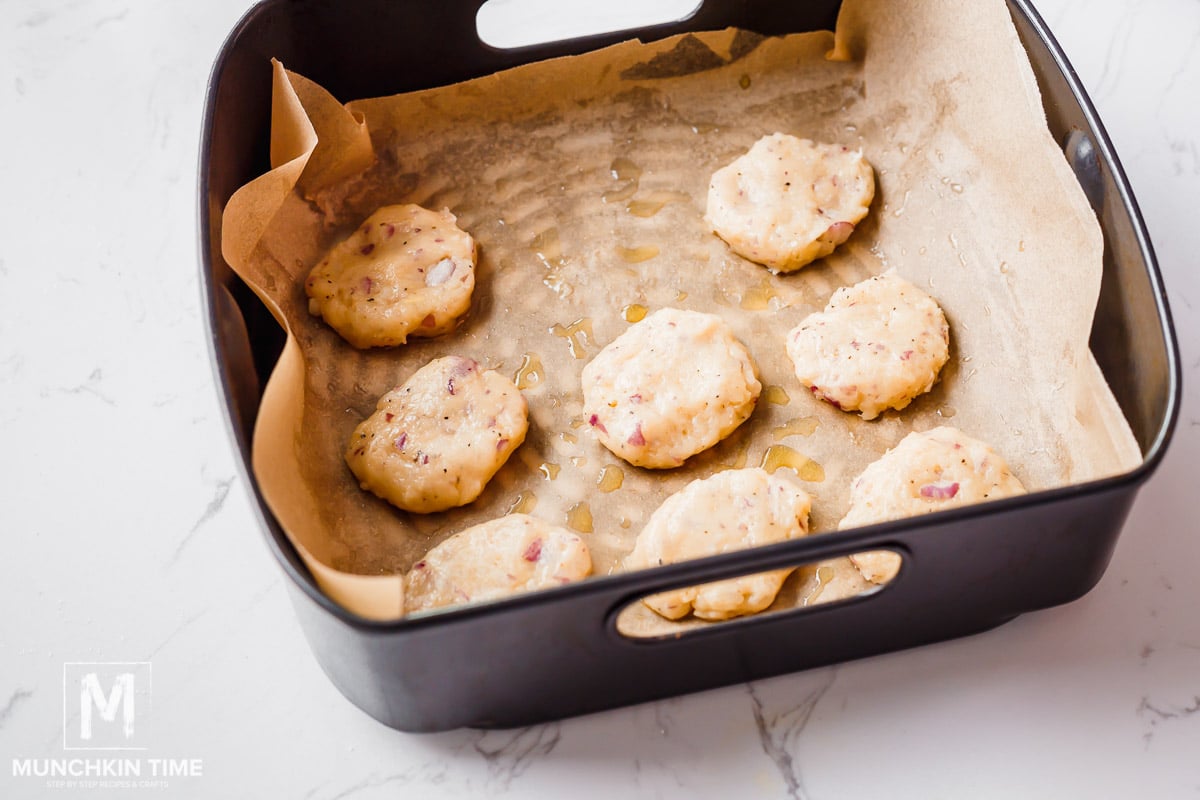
(672, 385)
(877, 345)
(729, 511)
(789, 201)
(407, 271)
(496, 559)
(930, 471)
(434, 442)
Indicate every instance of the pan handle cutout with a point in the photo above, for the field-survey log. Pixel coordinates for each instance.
(511, 24)
(685, 610)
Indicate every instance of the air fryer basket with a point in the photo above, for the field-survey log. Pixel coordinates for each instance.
(554, 654)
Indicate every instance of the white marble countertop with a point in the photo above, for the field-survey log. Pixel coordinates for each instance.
(131, 537)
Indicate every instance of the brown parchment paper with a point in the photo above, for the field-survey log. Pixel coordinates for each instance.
(584, 182)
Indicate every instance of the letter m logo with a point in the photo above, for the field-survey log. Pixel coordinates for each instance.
(91, 696)
(111, 701)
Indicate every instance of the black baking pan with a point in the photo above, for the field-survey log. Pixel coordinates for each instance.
(558, 653)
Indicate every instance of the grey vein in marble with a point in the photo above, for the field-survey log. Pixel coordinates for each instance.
(1155, 715)
(1115, 55)
(1188, 53)
(18, 697)
(215, 504)
(780, 733)
(89, 386)
(509, 753)
(429, 773)
(262, 593)
(187, 623)
(37, 19)
(374, 781)
(663, 718)
(117, 17)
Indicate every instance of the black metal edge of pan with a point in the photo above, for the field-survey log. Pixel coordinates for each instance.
(222, 333)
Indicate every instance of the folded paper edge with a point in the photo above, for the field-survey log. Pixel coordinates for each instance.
(299, 162)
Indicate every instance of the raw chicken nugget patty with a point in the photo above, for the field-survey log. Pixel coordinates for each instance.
(930, 471)
(495, 559)
(732, 510)
(434, 442)
(672, 385)
(877, 345)
(407, 271)
(789, 201)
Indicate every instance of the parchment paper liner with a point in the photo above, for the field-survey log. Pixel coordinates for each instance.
(541, 163)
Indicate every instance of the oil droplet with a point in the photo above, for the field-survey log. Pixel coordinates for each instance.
(636, 255)
(899, 212)
(737, 462)
(549, 470)
(644, 208)
(546, 245)
(653, 202)
(800, 426)
(956, 188)
(624, 169)
(578, 335)
(569, 438)
(558, 284)
(525, 502)
(758, 298)
(623, 191)
(1003, 267)
(626, 522)
(703, 127)
(823, 578)
(777, 395)
(744, 81)
(579, 517)
(780, 455)
(922, 250)
(576, 423)
(1021, 246)
(610, 478)
(634, 312)
(680, 296)
(627, 173)
(530, 372)
(947, 412)
(578, 461)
